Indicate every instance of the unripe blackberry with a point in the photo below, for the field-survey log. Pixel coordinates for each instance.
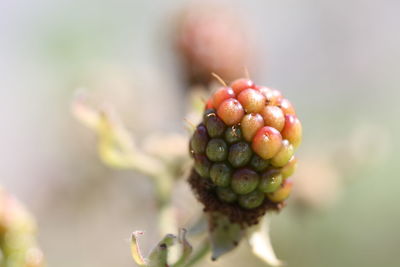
(239, 154)
(246, 146)
(267, 142)
(284, 154)
(251, 200)
(251, 100)
(244, 181)
(215, 126)
(217, 150)
(270, 181)
(282, 193)
(250, 124)
(289, 168)
(226, 194)
(202, 165)
(241, 84)
(230, 111)
(220, 174)
(199, 140)
(233, 134)
(273, 116)
(292, 130)
(286, 107)
(221, 95)
(259, 164)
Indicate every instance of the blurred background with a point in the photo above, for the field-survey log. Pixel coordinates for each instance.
(337, 61)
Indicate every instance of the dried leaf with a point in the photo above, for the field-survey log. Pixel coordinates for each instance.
(135, 249)
(260, 243)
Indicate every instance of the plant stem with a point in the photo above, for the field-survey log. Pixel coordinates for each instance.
(199, 254)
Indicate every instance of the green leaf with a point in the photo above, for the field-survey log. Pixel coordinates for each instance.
(224, 235)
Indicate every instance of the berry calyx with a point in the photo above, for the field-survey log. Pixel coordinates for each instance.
(243, 151)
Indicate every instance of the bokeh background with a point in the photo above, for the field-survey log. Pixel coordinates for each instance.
(337, 61)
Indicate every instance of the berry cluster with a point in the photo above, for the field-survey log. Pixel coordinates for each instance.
(244, 147)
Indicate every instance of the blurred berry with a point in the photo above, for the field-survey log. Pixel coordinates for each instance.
(211, 37)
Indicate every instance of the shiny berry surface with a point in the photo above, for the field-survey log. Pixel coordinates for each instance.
(251, 200)
(292, 130)
(244, 147)
(250, 124)
(244, 181)
(230, 111)
(284, 154)
(241, 84)
(221, 95)
(251, 100)
(239, 154)
(217, 150)
(267, 142)
(273, 116)
(270, 181)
